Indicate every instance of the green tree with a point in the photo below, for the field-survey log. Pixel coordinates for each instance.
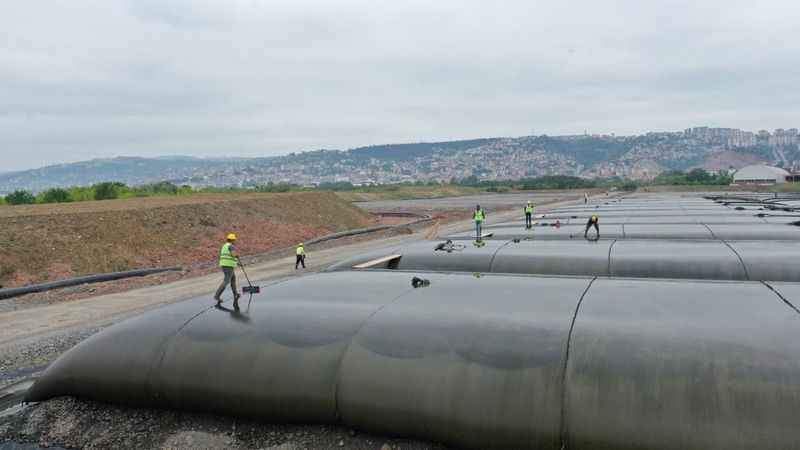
(699, 176)
(81, 194)
(20, 198)
(629, 185)
(164, 187)
(56, 195)
(107, 190)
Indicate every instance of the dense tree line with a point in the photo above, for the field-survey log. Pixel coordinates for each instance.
(99, 191)
(695, 177)
(545, 182)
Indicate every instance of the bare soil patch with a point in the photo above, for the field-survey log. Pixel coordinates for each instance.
(46, 242)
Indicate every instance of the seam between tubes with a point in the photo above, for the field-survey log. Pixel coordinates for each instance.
(785, 300)
(494, 255)
(741, 261)
(563, 425)
(608, 269)
(347, 349)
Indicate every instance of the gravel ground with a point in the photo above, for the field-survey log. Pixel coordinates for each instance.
(19, 360)
(73, 423)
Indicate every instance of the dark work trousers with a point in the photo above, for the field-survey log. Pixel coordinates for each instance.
(596, 227)
(301, 259)
(230, 277)
(528, 221)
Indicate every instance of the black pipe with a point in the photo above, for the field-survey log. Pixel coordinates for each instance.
(341, 234)
(15, 292)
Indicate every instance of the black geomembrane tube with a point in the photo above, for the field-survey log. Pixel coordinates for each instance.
(476, 362)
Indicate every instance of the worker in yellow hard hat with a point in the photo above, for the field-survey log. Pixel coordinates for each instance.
(300, 251)
(593, 222)
(228, 260)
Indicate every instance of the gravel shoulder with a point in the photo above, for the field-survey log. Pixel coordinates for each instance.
(73, 423)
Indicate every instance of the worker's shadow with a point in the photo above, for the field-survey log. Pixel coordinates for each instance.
(236, 315)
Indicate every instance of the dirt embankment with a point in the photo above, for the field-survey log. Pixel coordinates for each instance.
(408, 193)
(46, 242)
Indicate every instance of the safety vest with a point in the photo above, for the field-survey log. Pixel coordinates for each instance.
(594, 219)
(226, 259)
(479, 216)
(300, 251)
(529, 209)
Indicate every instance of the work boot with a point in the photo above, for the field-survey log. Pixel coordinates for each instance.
(236, 304)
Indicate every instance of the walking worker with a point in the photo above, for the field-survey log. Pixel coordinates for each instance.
(228, 260)
(585, 198)
(301, 256)
(479, 215)
(593, 221)
(529, 215)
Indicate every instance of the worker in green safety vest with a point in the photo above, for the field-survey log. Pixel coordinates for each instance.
(479, 216)
(529, 215)
(300, 251)
(228, 262)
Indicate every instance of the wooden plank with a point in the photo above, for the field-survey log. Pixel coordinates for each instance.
(377, 261)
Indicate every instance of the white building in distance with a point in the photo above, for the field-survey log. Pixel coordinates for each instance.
(760, 174)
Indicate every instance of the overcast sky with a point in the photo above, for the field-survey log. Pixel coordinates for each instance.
(83, 79)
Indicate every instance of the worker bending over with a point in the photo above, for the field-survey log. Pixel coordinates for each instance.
(301, 256)
(228, 260)
(529, 215)
(593, 221)
(479, 215)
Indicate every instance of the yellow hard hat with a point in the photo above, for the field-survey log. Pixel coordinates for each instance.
(300, 244)
(231, 237)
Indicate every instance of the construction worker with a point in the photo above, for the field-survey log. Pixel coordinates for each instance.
(228, 260)
(593, 221)
(529, 215)
(479, 215)
(300, 251)
(585, 198)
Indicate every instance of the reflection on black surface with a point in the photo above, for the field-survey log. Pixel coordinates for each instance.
(235, 314)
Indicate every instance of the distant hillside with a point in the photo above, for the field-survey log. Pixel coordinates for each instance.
(638, 157)
(401, 152)
(129, 170)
